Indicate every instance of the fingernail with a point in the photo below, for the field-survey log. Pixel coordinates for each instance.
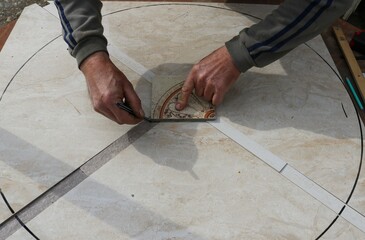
(178, 106)
(141, 112)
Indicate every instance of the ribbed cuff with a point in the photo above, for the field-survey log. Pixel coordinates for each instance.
(88, 47)
(239, 54)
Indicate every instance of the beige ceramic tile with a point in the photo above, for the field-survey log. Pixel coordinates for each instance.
(21, 234)
(114, 6)
(34, 28)
(51, 8)
(33, 17)
(4, 210)
(184, 181)
(108, 7)
(292, 107)
(47, 124)
(39, 127)
(358, 198)
(342, 230)
(182, 36)
(166, 91)
(253, 10)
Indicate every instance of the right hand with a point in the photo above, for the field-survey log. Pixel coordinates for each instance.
(108, 85)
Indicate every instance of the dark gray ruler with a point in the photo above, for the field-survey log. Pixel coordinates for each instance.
(31, 210)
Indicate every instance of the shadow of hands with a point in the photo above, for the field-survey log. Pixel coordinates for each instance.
(294, 92)
(168, 144)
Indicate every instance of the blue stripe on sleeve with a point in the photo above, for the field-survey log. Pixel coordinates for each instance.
(67, 28)
(64, 37)
(287, 28)
(299, 31)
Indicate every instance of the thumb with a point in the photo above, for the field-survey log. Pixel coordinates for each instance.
(134, 101)
(186, 90)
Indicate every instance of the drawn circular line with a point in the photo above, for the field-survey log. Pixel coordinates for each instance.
(245, 14)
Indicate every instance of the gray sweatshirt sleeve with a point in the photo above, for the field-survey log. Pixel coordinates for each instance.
(292, 23)
(81, 25)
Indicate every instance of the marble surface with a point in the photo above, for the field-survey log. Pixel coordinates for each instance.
(292, 107)
(4, 210)
(358, 199)
(22, 43)
(180, 36)
(181, 180)
(342, 230)
(47, 125)
(196, 184)
(21, 234)
(12, 57)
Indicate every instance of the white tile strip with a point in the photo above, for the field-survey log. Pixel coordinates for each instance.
(312, 188)
(293, 175)
(354, 217)
(256, 149)
(131, 63)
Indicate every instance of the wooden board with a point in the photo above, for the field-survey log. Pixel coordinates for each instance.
(351, 60)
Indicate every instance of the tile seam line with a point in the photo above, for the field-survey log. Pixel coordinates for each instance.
(352, 213)
(73, 179)
(196, 4)
(141, 70)
(47, 10)
(283, 168)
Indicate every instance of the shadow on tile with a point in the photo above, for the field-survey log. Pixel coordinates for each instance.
(32, 163)
(122, 213)
(265, 101)
(172, 143)
(295, 100)
(292, 96)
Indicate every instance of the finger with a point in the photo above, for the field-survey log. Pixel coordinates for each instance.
(124, 117)
(107, 113)
(107, 107)
(186, 90)
(133, 101)
(208, 93)
(199, 87)
(217, 98)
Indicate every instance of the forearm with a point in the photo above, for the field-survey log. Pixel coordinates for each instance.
(292, 23)
(82, 28)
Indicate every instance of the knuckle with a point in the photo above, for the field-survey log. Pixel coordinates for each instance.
(195, 68)
(119, 122)
(220, 88)
(128, 84)
(104, 100)
(98, 105)
(201, 76)
(185, 89)
(107, 97)
(138, 101)
(207, 98)
(210, 84)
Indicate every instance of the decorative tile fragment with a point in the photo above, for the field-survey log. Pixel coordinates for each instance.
(166, 91)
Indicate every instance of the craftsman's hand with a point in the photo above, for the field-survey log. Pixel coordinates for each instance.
(211, 78)
(108, 85)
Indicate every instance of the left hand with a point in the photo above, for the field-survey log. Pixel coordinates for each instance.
(211, 78)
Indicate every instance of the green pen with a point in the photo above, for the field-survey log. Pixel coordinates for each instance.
(354, 94)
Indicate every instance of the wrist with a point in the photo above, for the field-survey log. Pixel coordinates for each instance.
(93, 61)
